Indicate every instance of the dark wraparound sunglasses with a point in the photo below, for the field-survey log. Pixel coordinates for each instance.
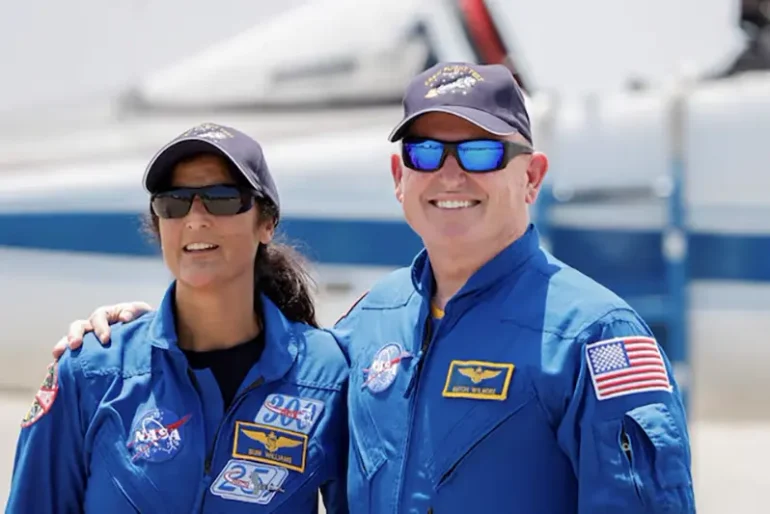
(218, 199)
(473, 155)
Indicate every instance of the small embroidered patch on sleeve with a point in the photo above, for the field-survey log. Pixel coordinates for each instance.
(44, 397)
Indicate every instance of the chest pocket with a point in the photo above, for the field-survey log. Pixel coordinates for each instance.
(490, 438)
(118, 477)
(366, 450)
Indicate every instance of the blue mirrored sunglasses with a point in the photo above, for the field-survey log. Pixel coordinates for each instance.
(473, 156)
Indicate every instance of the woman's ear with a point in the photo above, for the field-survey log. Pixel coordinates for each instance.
(265, 230)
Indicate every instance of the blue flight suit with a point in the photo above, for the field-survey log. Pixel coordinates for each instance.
(538, 391)
(132, 428)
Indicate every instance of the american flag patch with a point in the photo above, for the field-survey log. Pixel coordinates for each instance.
(626, 365)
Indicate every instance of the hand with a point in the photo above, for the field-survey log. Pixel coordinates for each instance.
(99, 322)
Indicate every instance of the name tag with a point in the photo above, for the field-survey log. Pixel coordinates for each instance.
(478, 380)
(271, 445)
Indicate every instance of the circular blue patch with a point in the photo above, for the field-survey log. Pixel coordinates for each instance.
(381, 374)
(156, 435)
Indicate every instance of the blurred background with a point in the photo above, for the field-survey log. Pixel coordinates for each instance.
(655, 116)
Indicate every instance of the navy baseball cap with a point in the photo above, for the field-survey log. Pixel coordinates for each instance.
(242, 152)
(485, 95)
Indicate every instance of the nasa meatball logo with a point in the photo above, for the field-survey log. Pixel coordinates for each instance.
(157, 435)
(384, 368)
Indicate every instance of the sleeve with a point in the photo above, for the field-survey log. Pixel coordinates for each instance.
(625, 427)
(335, 491)
(49, 470)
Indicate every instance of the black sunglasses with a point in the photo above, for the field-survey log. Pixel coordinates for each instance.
(473, 155)
(218, 199)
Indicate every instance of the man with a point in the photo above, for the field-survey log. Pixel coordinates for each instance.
(488, 376)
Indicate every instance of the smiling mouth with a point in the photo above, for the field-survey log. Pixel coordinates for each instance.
(454, 204)
(199, 247)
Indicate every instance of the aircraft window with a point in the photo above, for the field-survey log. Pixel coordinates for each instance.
(328, 67)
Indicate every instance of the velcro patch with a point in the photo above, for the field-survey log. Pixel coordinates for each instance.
(44, 397)
(251, 482)
(478, 380)
(626, 365)
(271, 445)
(290, 412)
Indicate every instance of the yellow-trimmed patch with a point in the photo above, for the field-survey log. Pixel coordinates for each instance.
(271, 445)
(478, 380)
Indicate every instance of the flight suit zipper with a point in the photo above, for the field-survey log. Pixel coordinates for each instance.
(233, 406)
(427, 339)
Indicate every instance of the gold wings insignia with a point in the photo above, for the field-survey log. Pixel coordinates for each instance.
(271, 441)
(478, 374)
(257, 436)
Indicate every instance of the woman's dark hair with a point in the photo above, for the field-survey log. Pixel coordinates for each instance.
(280, 271)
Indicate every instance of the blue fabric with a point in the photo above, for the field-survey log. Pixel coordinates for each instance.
(133, 428)
(522, 401)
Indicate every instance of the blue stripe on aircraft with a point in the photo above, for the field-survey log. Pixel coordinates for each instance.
(629, 262)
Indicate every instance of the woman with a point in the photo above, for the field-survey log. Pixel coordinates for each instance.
(236, 404)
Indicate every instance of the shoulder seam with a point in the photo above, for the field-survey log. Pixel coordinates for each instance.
(352, 306)
(578, 332)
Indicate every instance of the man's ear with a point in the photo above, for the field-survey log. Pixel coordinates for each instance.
(538, 167)
(397, 171)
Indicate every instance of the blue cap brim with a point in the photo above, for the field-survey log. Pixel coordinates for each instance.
(165, 160)
(482, 119)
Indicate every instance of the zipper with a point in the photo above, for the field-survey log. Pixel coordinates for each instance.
(234, 405)
(412, 386)
(625, 445)
(427, 335)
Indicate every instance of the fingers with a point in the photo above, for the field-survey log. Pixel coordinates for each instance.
(132, 310)
(60, 347)
(77, 330)
(104, 316)
(100, 321)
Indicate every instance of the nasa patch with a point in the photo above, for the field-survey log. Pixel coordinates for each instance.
(44, 397)
(251, 482)
(156, 435)
(384, 368)
(290, 412)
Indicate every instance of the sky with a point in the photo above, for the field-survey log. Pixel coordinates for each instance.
(58, 52)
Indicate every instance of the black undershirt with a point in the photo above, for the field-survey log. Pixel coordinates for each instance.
(229, 366)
